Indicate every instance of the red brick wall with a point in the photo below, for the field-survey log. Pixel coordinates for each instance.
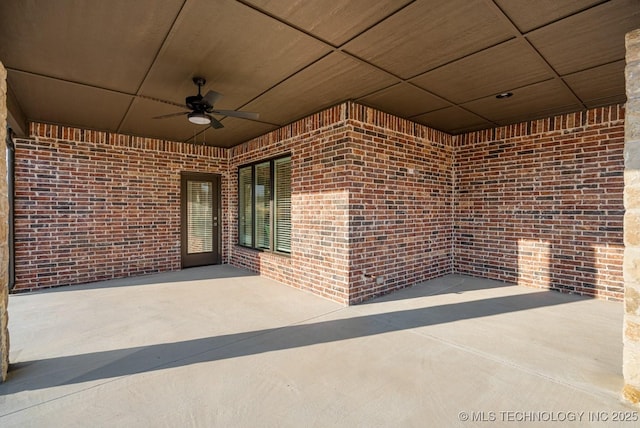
(401, 203)
(319, 213)
(540, 203)
(379, 203)
(91, 205)
(371, 203)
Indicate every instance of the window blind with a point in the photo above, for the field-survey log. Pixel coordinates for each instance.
(283, 204)
(245, 208)
(263, 205)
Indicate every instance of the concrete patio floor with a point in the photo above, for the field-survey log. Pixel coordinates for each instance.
(220, 346)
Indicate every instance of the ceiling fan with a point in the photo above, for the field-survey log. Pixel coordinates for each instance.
(202, 108)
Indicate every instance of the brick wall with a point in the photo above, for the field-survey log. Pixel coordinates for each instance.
(318, 147)
(400, 203)
(371, 203)
(540, 203)
(379, 203)
(92, 205)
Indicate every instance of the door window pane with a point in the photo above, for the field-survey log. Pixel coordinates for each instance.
(199, 217)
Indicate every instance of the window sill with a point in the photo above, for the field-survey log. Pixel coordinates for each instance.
(258, 250)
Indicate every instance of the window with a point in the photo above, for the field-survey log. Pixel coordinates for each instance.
(264, 205)
(282, 197)
(245, 211)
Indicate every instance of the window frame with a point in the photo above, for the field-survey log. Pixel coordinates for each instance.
(272, 205)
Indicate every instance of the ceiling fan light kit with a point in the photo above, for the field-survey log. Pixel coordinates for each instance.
(202, 108)
(199, 118)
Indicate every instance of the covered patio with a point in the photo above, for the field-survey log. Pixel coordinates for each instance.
(222, 346)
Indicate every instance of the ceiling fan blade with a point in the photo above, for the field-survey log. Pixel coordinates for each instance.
(211, 97)
(171, 115)
(215, 123)
(235, 113)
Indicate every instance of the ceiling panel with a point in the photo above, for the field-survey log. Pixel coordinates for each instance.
(404, 100)
(546, 98)
(509, 65)
(239, 51)
(109, 65)
(140, 121)
(331, 80)
(335, 21)
(452, 118)
(528, 15)
(83, 106)
(599, 86)
(427, 34)
(234, 131)
(109, 44)
(589, 39)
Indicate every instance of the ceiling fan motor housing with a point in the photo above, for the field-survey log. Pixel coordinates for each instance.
(195, 102)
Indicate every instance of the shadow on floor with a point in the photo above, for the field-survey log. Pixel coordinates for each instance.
(202, 273)
(46, 373)
(447, 284)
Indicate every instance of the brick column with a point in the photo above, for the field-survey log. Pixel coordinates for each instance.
(4, 228)
(631, 354)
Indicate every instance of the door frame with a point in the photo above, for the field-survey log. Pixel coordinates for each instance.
(203, 258)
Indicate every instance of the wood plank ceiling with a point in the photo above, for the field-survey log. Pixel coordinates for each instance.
(114, 65)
